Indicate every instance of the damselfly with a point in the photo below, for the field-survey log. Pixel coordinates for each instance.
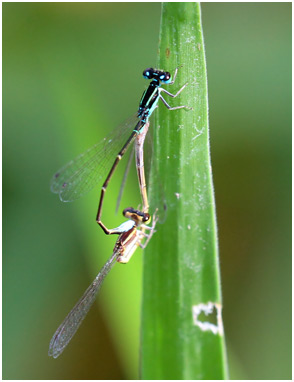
(81, 174)
(131, 234)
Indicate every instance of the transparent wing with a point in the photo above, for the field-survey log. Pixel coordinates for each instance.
(153, 180)
(73, 320)
(124, 180)
(83, 173)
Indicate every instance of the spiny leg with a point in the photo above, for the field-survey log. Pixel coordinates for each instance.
(175, 75)
(151, 229)
(177, 93)
(174, 108)
(173, 95)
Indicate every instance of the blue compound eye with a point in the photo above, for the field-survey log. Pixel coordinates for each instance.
(148, 73)
(166, 77)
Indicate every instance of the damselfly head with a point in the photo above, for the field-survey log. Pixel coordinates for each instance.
(137, 216)
(156, 74)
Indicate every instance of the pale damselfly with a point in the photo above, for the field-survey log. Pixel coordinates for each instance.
(131, 234)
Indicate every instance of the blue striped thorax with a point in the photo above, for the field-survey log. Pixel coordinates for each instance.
(150, 96)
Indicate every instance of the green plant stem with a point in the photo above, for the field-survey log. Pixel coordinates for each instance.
(181, 266)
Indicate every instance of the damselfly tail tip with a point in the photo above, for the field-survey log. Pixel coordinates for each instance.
(54, 347)
(63, 198)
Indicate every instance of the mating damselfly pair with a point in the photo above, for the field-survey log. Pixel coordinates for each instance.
(83, 173)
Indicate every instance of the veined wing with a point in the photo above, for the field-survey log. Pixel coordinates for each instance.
(73, 320)
(124, 179)
(83, 173)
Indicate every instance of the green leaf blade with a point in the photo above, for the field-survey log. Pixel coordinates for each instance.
(181, 269)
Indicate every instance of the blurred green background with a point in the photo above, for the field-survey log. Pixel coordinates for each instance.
(72, 72)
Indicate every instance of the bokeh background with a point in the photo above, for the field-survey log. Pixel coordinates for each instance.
(72, 72)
